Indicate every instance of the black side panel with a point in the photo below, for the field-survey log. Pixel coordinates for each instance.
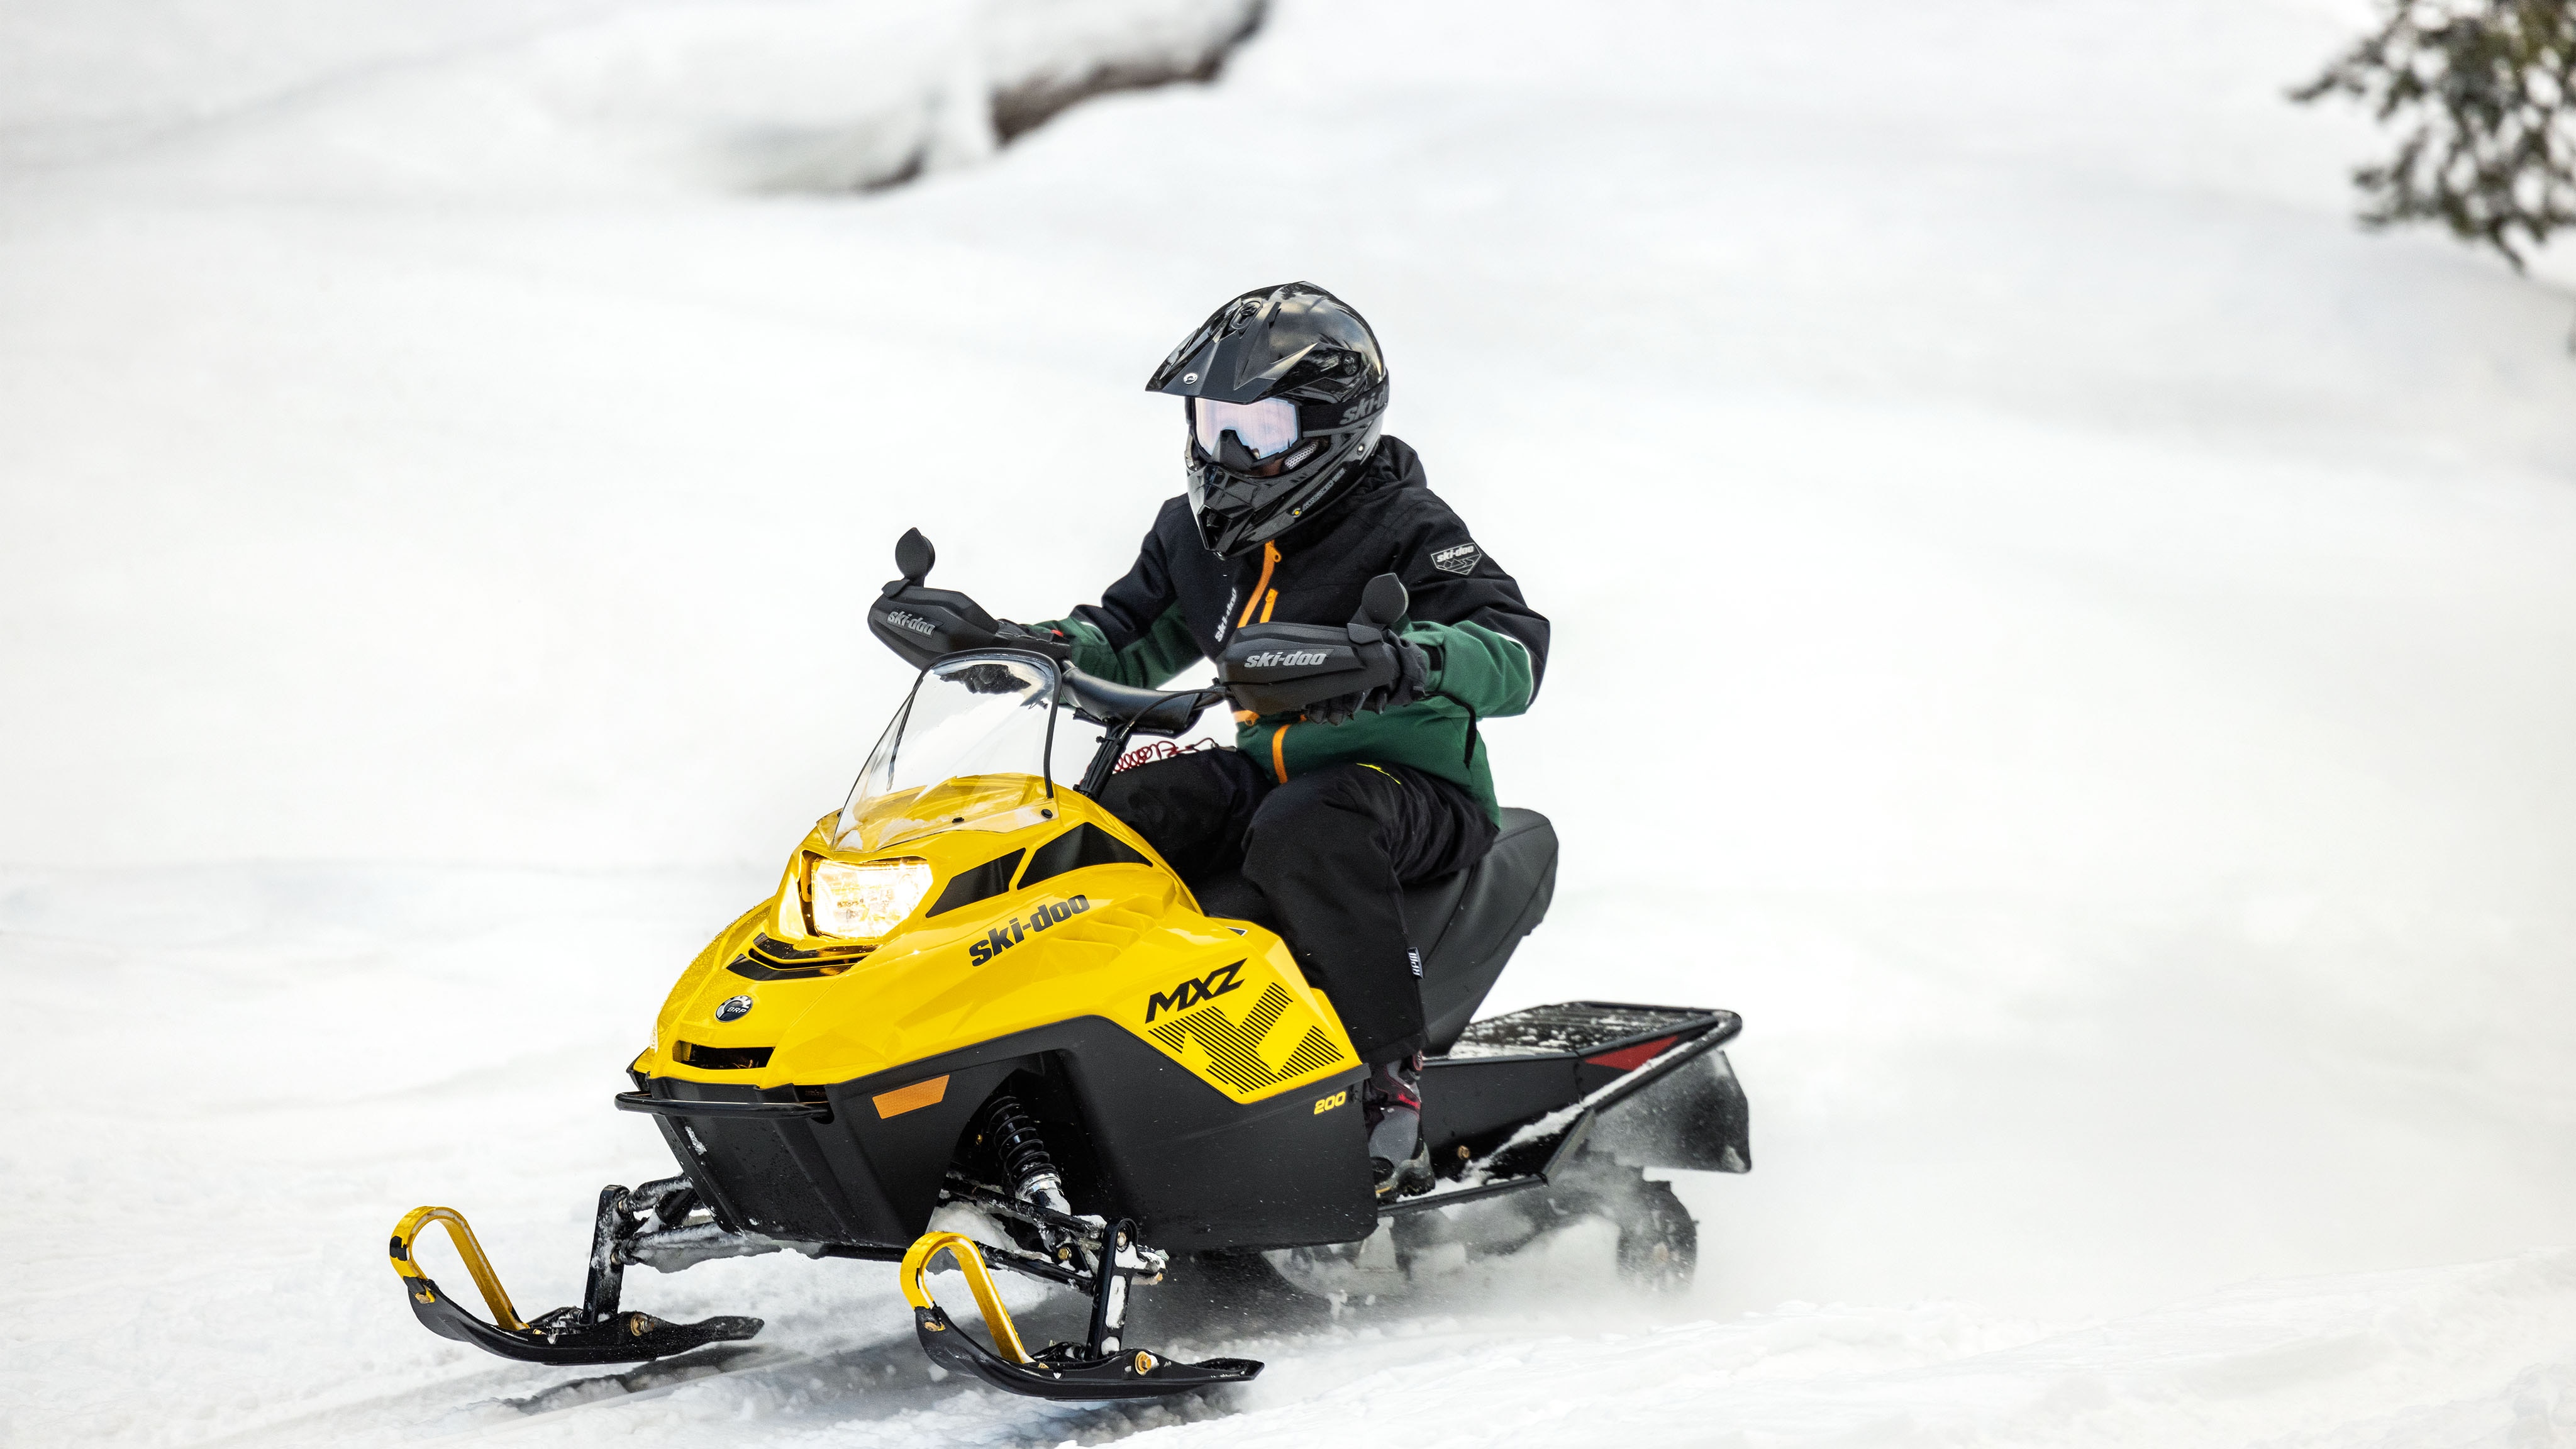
(1195, 1169)
(1503, 899)
(1200, 1172)
(857, 1178)
(984, 882)
(1085, 844)
(908, 1153)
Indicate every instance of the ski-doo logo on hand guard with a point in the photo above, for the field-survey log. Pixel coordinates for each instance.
(1013, 931)
(1191, 993)
(1284, 658)
(913, 622)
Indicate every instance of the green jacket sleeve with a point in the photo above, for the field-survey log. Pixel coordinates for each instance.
(1484, 669)
(1137, 634)
(1147, 660)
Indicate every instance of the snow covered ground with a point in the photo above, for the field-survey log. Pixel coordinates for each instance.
(2073, 640)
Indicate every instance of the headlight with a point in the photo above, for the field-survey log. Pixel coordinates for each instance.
(869, 899)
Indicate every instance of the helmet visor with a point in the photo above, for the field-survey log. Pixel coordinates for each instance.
(1266, 428)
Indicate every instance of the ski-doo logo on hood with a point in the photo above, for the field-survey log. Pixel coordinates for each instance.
(913, 622)
(1191, 993)
(1459, 560)
(735, 1008)
(1013, 931)
(1284, 658)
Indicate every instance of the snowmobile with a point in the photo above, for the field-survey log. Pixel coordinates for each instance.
(974, 987)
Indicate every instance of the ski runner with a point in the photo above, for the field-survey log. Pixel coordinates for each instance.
(1296, 499)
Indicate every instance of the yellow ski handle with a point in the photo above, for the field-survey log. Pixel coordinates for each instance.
(495, 1297)
(961, 1250)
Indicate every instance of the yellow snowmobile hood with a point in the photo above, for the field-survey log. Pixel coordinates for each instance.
(1074, 925)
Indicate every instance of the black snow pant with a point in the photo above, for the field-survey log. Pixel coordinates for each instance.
(1330, 853)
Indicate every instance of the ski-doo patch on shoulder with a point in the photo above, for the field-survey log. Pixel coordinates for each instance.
(1459, 560)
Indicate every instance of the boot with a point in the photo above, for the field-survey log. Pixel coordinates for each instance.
(1391, 1104)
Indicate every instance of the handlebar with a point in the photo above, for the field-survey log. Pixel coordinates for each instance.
(1136, 711)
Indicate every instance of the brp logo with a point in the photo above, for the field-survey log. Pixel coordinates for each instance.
(735, 1008)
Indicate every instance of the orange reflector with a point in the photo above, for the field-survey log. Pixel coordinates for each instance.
(905, 1099)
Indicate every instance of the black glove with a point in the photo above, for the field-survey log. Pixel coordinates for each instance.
(1412, 670)
(1046, 639)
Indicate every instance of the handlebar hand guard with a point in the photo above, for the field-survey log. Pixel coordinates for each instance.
(920, 624)
(1282, 668)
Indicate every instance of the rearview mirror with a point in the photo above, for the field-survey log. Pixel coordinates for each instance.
(1383, 602)
(913, 556)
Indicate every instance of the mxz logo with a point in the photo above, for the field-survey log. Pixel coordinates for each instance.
(1284, 658)
(913, 622)
(1011, 932)
(1190, 993)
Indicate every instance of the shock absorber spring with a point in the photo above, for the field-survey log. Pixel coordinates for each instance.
(1013, 1135)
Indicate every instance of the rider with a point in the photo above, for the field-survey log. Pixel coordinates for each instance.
(1296, 500)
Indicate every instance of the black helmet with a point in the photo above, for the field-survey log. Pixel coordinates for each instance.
(1286, 394)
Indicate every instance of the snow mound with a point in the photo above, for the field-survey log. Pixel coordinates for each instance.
(560, 97)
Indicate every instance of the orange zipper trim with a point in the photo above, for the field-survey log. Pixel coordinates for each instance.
(1269, 561)
(1266, 599)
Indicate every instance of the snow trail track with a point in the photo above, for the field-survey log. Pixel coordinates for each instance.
(2072, 640)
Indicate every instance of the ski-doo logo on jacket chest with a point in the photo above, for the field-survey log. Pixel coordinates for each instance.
(1013, 931)
(1191, 993)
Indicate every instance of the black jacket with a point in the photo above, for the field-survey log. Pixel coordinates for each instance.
(1179, 603)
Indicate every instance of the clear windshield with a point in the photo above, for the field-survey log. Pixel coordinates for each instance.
(968, 751)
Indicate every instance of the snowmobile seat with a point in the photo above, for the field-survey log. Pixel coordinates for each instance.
(1466, 923)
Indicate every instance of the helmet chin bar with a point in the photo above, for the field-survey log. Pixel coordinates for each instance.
(1236, 511)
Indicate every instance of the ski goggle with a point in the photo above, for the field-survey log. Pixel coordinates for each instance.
(1266, 428)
